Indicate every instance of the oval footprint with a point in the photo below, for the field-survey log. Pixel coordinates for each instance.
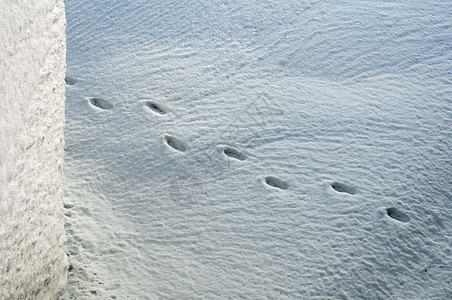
(233, 153)
(156, 108)
(397, 215)
(70, 80)
(101, 103)
(175, 143)
(343, 188)
(276, 182)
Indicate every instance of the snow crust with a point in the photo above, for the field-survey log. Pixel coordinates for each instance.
(33, 261)
(272, 149)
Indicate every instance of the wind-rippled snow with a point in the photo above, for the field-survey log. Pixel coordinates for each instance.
(273, 149)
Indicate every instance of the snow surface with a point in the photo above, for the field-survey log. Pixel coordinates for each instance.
(33, 263)
(272, 149)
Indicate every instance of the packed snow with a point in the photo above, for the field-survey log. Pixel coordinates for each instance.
(258, 150)
(33, 263)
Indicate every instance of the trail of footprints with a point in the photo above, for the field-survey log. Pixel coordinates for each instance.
(230, 152)
(98, 103)
(176, 143)
(392, 212)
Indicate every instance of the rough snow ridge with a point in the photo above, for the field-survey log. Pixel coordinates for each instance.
(32, 66)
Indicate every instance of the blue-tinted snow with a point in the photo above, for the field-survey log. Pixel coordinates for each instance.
(345, 106)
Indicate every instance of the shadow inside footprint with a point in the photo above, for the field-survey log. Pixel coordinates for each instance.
(155, 107)
(231, 152)
(70, 80)
(175, 143)
(276, 182)
(397, 215)
(343, 188)
(101, 103)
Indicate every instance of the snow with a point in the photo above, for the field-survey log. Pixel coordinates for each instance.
(274, 149)
(33, 263)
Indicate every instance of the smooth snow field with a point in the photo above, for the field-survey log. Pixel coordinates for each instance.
(258, 149)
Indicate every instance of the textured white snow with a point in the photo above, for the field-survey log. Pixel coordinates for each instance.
(273, 149)
(33, 263)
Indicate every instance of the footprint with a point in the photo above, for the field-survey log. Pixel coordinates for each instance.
(101, 103)
(155, 107)
(175, 143)
(276, 182)
(231, 152)
(397, 215)
(343, 188)
(70, 80)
